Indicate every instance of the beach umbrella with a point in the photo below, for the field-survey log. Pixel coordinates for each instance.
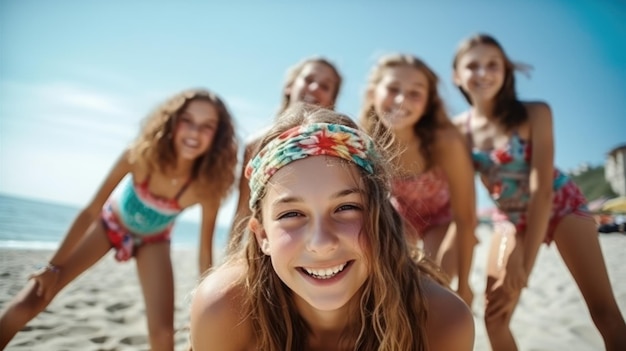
(617, 204)
(596, 205)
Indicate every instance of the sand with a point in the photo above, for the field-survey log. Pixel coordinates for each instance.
(103, 309)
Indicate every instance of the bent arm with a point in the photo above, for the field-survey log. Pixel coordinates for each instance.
(540, 183)
(92, 211)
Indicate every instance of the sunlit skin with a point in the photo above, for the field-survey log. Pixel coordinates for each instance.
(400, 98)
(195, 129)
(311, 229)
(316, 84)
(480, 72)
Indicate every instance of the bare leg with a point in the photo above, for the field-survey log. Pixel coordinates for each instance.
(154, 267)
(498, 329)
(577, 241)
(447, 253)
(26, 304)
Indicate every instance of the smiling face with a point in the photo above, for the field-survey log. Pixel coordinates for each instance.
(195, 129)
(480, 72)
(317, 84)
(400, 96)
(313, 215)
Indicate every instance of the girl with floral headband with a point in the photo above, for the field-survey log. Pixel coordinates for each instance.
(325, 265)
(185, 154)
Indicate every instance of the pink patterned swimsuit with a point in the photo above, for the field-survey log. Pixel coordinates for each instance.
(423, 200)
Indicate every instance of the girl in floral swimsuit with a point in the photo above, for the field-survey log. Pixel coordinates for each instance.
(435, 182)
(512, 150)
(185, 155)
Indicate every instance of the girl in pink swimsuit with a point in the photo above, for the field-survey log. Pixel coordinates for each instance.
(185, 155)
(512, 148)
(435, 182)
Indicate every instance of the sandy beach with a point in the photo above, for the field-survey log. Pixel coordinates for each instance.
(103, 309)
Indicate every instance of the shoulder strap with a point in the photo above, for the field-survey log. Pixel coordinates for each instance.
(183, 188)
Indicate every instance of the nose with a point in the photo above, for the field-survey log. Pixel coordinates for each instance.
(322, 239)
(314, 86)
(399, 99)
(481, 71)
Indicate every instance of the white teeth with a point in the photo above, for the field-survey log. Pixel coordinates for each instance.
(190, 142)
(309, 99)
(326, 272)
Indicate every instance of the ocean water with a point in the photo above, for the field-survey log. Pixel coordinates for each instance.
(35, 224)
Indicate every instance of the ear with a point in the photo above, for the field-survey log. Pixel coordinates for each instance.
(259, 233)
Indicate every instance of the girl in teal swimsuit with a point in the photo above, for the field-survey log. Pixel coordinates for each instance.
(185, 154)
(512, 143)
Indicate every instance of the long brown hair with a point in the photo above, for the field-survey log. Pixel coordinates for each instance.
(434, 117)
(508, 110)
(391, 313)
(215, 170)
(294, 71)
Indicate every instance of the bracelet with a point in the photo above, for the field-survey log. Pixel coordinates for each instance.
(52, 268)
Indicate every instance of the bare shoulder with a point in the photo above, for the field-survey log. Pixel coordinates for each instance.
(217, 313)
(538, 112)
(450, 141)
(460, 121)
(450, 324)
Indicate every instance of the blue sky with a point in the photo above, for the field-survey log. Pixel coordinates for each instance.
(77, 77)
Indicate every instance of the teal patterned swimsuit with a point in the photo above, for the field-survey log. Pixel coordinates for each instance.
(505, 172)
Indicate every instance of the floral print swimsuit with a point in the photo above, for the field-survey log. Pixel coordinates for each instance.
(505, 173)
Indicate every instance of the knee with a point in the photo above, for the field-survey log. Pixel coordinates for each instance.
(605, 316)
(162, 334)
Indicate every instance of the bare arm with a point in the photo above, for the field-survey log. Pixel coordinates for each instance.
(210, 208)
(91, 212)
(453, 157)
(541, 179)
(217, 321)
(243, 210)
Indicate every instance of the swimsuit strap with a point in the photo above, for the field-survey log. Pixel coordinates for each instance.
(184, 187)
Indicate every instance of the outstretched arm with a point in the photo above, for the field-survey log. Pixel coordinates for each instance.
(91, 212)
(454, 158)
(243, 210)
(541, 179)
(210, 208)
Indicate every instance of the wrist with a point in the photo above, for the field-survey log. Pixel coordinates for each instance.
(52, 268)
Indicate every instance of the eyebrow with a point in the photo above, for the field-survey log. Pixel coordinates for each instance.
(339, 194)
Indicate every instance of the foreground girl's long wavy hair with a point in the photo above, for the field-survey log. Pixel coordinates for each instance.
(215, 170)
(508, 110)
(391, 311)
(294, 71)
(434, 118)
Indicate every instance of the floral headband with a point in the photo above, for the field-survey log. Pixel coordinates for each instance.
(310, 140)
